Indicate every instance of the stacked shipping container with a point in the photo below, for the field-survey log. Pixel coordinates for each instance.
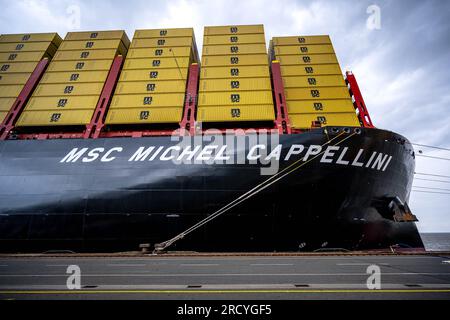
(19, 56)
(315, 89)
(70, 88)
(235, 79)
(152, 86)
(234, 86)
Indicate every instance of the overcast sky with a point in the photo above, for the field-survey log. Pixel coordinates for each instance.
(402, 65)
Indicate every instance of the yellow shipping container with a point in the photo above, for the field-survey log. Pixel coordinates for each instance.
(317, 69)
(313, 81)
(151, 87)
(166, 33)
(234, 39)
(147, 100)
(22, 56)
(320, 106)
(238, 49)
(296, 40)
(234, 72)
(316, 93)
(235, 29)
(159, 63)
(153, 75)
(81, 55)
(27, 47)
(241, 60)
(98, 35)
(244, 84)
(14, 78)
(306, 49)
(325, 58)
(160, 52)
(10, 91)
(236, 113)
(62, 103)
(6, 104)
(55, 118)
(144, 115)
(91, 65)
(74, 76)
(162, 42)
(68, 89)
(18, 67)
(234, 98)
(330, 119)
(31, 37)
(93, 45)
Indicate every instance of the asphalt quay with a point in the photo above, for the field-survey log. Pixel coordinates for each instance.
(226, 277)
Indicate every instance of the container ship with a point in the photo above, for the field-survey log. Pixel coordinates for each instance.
(108, 144)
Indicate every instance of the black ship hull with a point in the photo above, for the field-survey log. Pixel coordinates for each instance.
(108, 194)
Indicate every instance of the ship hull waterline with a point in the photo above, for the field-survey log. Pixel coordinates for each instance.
(110, 195)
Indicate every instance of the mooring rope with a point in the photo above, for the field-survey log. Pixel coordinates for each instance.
(258, 188)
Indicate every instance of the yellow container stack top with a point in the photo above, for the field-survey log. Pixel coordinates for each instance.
(71, 86)
(19, 56)
(152, 85)
(314, 86)
(234, 79)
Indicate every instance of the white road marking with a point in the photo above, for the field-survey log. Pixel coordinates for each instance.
(227, 274)
(199, 259)
(56, 265)
(199, 264)
(127, 265)
(272, 264)
(361, 264)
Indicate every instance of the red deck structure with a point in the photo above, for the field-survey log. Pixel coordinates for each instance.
(358, 101)
(282, 123)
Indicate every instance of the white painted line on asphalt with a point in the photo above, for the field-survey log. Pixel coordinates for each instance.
(227, 274)
(199, 264)
(3, 265)
(272, 264)
(361, 264)
(127, 265)
(197, 259)
(446, 261)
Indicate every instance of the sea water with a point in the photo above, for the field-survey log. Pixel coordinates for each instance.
(436, 241)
